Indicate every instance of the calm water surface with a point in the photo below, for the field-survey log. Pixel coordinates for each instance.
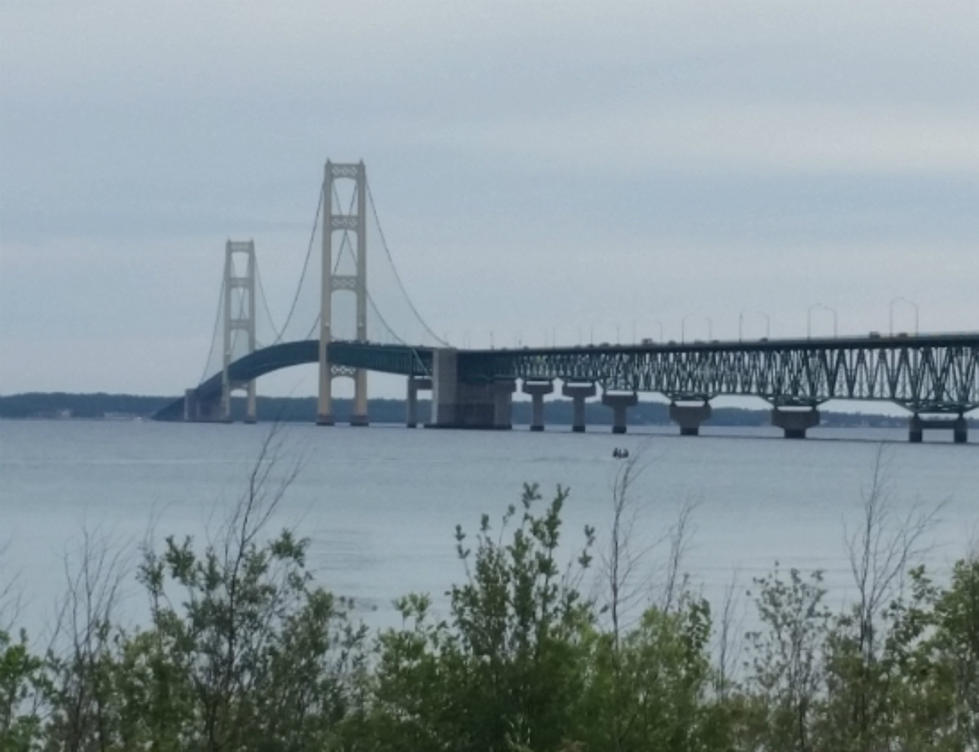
(380, 504)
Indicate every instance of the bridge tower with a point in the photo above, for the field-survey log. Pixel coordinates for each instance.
(336, 219)
(239, 320)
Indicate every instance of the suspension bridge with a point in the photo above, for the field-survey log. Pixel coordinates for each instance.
(934, 376)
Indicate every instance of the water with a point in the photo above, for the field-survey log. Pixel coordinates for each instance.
(380, 504)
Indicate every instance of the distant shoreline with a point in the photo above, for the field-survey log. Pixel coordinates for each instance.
(102, 406)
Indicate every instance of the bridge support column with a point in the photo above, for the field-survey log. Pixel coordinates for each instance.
(359, 415)
(190, 405)
(415, 383)
(239, 320)
(198, 410)
(960, 430)
(689, 416)
(462, 404)
(537, 390)
(445, 385)
(795, 422)
(915, 430)
(958, 426)
(578, 393)
(619, 402)
(503, 403)
(251, 409)
(351, 219)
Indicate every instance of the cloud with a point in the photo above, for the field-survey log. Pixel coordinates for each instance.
(558, 163)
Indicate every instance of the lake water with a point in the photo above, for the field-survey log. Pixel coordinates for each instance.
(380, 504)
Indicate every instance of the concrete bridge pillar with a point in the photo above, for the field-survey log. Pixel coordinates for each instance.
(958, 426)
(619, 402)
(190, 405)
(916, 430)
(445, 384)
(462, 404)
(689, 416)
(415, 383)
(358, 415)
(198, 410)
(578, 393)
(960, 430)
(795, 422)
(503, 390)
(537, 390)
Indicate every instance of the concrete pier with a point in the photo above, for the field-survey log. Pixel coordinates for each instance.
(463, 404)
(503, 390)
(197, 410)
(958, 426)
(537, 390)
(795, 422)
(960, 430)
(578, 393)
(689, 416)
(619, 401)
(415, 383)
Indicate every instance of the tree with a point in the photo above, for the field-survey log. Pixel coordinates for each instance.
(81, 660)
(786, 666)
(862, 672)
(505, 671)
(254, 656)
(954, 646)
(22, 684)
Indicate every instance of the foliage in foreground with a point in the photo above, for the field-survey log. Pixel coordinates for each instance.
(243, 651)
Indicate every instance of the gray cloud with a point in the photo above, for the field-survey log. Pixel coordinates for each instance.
(540, 168)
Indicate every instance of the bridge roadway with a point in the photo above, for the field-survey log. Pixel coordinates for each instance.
(927, 374)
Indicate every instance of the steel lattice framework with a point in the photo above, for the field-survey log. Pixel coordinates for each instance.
(930, 373)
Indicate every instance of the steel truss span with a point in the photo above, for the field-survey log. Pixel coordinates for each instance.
(929, 373)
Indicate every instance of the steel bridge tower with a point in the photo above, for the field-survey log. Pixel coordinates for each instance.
(336, 219)
(239, 320)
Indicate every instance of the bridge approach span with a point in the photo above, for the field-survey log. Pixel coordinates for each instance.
(927, 373)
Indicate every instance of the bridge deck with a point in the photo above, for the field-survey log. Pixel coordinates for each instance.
(925, 373)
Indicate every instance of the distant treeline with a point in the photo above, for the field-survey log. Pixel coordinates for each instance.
(557, 412)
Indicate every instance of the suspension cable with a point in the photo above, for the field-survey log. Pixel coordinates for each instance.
(397, 276)
(214, 333)
(265, 303)
(302, 275)
(316, 321)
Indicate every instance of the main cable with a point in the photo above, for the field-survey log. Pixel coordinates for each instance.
(302, 275)
(265, 304)
(214, 333)
(384, 244)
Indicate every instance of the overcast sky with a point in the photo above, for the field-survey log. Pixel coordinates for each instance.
(541, 169)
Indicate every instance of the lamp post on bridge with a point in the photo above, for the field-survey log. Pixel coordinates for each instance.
(683, 327)
(768, 323)
(815, 307)
(639, 334)
(890, 313)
